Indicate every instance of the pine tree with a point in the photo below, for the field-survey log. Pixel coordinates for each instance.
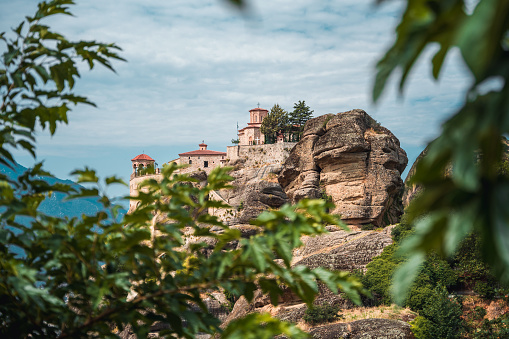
(301, 113)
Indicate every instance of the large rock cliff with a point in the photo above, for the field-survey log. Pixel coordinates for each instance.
(352, 160)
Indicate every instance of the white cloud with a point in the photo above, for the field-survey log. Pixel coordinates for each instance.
(195, 68)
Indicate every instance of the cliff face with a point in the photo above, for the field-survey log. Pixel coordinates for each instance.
(354, 161)
(256, 189)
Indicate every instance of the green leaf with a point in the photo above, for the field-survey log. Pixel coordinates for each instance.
(85, 175)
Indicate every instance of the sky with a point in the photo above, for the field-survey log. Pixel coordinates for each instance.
(196, 67)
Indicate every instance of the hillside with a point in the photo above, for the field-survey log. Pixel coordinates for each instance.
(56, 205)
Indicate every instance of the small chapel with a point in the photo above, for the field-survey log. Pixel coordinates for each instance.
(252, 134)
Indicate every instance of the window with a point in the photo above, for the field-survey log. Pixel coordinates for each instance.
(190, 162)
(205, 164)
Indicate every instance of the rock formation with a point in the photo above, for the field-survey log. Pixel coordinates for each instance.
(255, 190)
(353, 161)
(341, 250)
(411, 191)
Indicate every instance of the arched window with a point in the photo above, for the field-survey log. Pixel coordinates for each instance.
(190, 162)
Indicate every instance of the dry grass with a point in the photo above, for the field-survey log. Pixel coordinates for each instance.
(271, 177)
(394, 312)
(383, 312)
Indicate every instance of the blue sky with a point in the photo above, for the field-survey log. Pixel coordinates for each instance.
(196, 67)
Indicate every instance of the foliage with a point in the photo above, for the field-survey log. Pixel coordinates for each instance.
(81, 277)
(297, 119)
(421, 327)
(368, 227)
(274, 124)
(37, 74)
(235, 141)
(475, 195)
(379, 275)
(443, 315)
(320, 314)
(149, 169)
(493, 329)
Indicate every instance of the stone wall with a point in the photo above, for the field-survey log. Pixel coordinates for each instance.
(260, 154)
(135, 182)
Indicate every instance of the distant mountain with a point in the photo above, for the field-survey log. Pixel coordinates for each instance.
(56, 205)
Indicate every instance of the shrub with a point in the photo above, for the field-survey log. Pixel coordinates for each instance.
(484, 290)
(496, 328)
(322, 314)
(368, 227)
(444, 315)
(421, 327)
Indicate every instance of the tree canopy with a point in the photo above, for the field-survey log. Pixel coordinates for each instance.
(274, 124)
(289, 126)
(95, 275)
(298, 117)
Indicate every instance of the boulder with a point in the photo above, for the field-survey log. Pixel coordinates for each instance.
(352, 160)
(341, 250)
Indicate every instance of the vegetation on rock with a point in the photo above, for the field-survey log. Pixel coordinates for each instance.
(319, 314)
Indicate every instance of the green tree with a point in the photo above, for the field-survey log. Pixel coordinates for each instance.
(91, 276)
(442, 317)
(475, 196)
(274, 124)
(297, 119)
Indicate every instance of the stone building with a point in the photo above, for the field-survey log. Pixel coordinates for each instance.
(202, 158)
(141, 162)
(251, 134)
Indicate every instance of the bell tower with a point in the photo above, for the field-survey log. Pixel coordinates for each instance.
(140, 162)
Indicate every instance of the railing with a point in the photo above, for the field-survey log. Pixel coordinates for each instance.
(137, 175)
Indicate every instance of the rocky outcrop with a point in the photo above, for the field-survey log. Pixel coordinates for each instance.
(338, 250)
(365, 329)
(255, 190)
(341, 250)
(411, 190)
(352, 160)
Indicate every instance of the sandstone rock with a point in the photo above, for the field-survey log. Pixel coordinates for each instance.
(255, 191)
(353, 160)
(365, 329)
(342, 250)
(411, 191)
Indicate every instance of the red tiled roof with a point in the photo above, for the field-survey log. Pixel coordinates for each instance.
(202, 144)
(142, 157)
(258, 109)
(202, 152)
